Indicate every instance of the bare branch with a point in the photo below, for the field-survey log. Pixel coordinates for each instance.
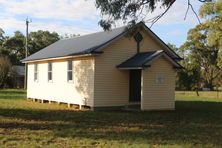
(195, 13)
(133, 10)
(156, 18)
(189, 5)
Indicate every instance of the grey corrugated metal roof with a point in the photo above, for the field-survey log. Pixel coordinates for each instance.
(89, 44)
(139, 60)
(78, 45)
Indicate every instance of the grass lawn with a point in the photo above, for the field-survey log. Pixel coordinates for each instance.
(196, 122)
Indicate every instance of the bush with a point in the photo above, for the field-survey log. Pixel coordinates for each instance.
(5, 68)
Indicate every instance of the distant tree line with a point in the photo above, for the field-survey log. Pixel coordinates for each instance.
(13, 46)
(12, 49)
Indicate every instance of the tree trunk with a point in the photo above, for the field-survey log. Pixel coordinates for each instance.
(197, 92)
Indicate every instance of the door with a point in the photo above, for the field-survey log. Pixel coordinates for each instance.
(135, 86)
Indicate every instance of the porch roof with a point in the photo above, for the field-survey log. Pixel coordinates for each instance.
(143, 59)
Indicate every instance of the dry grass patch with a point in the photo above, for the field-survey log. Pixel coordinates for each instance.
(195, 123)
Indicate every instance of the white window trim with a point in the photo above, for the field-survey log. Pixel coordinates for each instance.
(69, 81)
(51, 73)
(36, 72)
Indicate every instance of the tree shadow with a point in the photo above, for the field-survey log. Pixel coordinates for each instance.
(84, 80)
(14, 92)
(192, 122)
(11, 94)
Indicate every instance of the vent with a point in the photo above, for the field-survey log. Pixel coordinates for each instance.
(138, 38)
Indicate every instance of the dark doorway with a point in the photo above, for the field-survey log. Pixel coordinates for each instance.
(135, 86)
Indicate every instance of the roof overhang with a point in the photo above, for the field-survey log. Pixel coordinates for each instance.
(144, 60)
(62, 58)
(131, 68)
(171, 60)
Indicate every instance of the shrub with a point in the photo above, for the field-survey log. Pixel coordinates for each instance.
(5, 68)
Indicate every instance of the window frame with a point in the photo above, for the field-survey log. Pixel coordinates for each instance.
(50, 70)
(36, 69)
(69, 71)
(160, 78)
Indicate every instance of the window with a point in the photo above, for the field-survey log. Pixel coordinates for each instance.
(69, 71)
(160, 79)
(36, 72)
(49, 71)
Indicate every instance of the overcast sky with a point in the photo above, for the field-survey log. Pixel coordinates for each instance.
(81, 17)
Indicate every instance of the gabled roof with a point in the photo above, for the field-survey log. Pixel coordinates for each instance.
(85, 44)
(144, 59)
(88, 45)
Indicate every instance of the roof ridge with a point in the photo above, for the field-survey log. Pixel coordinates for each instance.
(107, 31)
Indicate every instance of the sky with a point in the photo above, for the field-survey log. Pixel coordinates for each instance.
(81, 17)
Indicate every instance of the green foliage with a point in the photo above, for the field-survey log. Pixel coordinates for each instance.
(1, 36)
(189, 77)
(212, 12)
(5, 68)
(178, 51)
(14, 46)
(40, 39)
(201, 55)
(13, 49)
(202, 50)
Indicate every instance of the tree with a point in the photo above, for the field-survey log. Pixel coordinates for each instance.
(204, 43)
(179, 51)
(40, 39)
(2, 40)
(202, 54)
(212, 12)
(189, 77)
(5, 67)
(1, 36)
(15, 47)
(132, 11)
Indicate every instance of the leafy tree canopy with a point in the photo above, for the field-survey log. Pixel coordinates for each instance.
(1, 36)
(212, 12)
(40, 39)
(14, 46)
(204, 43)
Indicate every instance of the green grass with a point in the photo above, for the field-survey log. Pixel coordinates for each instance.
(196, 122)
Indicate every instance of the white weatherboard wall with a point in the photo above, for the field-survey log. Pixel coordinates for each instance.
(80, 91)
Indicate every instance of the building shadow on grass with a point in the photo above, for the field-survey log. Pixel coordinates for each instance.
(193, 122)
